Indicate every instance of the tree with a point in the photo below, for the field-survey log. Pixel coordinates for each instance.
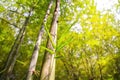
(82, 44)
(48, 66)
(38, 42)
(14, 51)
(13, 54)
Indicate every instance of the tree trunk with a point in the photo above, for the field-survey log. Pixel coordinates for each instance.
(38, 43)
(13, 54)
(48, 67)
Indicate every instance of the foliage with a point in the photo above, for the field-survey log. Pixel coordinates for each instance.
(86, 52)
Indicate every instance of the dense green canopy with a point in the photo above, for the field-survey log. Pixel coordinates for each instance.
(88, 39)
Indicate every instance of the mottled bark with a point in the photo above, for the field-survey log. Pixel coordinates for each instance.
(48, 67)
(13, 54)
(38, 43)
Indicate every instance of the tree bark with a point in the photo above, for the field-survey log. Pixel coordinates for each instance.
(13, 54)
(38, 43)
(48, 67)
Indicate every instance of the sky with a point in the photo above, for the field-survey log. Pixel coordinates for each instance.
(105, 4)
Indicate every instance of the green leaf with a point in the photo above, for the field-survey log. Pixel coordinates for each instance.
(2, 38)
(50, 37)
(59, 47)
(58, 57)
(51, 52)
(21, 62)
(22, 1)
(93, 42)
(1, 8)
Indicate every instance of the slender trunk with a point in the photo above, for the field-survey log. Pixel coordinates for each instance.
(38, 43)
(48, 67)
(10, 62)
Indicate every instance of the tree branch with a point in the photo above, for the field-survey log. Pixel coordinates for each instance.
(9, 22)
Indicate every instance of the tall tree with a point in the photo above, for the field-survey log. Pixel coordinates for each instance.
(13, 54)
(48, 67)
(38, 43)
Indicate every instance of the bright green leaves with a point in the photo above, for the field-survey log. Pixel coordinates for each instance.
(50, 37)
(63, 44)
(1, 8)
(21, 62)
(95, 47)
(22, 1)
(26, 2)
(2, 36)
(93, 42)
(49, 50)
(5, 32)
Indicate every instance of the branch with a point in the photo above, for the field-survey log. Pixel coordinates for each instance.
(16, 12)
(9, 22)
